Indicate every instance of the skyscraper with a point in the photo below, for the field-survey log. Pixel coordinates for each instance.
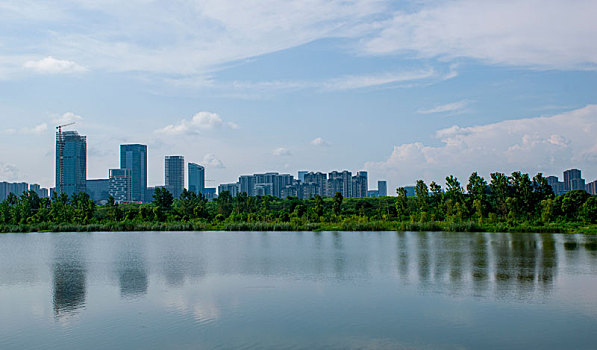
(174, 175)
(320, 180)
(196, 178)
(340, 182)
(134, 158)
(120, 185)
(71, 162)
(301, 175)
(382, 188)
(573, 180)
(360, 184)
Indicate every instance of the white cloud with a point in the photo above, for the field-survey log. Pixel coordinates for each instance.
(200, 121)
(67, 118)
(540, 144)
(36, 130)
(320, 142)
(449, 107)
(186, 37)
(210, 160)
(281, 151)
(51, 65)
(543, 33)
(8, 172)
(363, 81)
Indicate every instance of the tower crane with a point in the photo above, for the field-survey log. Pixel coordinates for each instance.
(60, 145)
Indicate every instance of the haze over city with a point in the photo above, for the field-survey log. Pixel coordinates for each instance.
(289, 86)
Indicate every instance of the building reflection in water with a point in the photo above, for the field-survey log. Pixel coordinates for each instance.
(509, 265)
(69, 276)
(132, 272)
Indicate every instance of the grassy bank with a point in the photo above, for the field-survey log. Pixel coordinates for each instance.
(466, 226)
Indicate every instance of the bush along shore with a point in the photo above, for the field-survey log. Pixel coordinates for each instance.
(514, 203)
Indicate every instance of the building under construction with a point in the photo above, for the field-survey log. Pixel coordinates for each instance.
(71, 162)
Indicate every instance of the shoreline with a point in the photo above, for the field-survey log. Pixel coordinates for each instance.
(377, 226)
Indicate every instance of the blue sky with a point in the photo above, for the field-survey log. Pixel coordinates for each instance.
(404, 89)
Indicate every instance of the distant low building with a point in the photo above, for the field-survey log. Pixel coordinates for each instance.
(410, 191)
(98, 190)
(572, 181)
(210, 193)
(231, 188)
(40, 191)
(373, 193)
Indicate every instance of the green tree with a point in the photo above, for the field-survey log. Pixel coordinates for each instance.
(114, 212)
(436, 199)
(477, 192)
(401, 203)
(522, 194)
(572, 203)
(224, 203)
(541, 189)
(189, 205)
(454, 191)
(499, 192)
(589, 210)
(318, 206)
(422, 193)
(163, 199)
(337, 203)
(83, 208)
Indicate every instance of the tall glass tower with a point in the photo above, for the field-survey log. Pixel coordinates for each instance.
(71, 162)
(134, 158)
(196, 178)
(174, 174)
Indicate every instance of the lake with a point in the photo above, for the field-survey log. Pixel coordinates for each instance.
(298, 290)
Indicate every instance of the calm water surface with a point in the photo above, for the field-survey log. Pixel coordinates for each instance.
(298, 290)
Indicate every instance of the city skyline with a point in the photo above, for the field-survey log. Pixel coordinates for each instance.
(288, 86)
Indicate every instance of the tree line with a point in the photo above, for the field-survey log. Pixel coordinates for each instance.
(506, 200)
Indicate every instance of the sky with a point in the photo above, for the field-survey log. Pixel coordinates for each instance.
(405, 90)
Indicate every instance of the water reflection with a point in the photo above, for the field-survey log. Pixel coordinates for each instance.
(69, 276)
(132, 271)
(509, 264)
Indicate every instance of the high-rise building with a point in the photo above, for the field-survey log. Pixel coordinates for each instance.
(340, 182)
(231, 188)
(3, 191)
(320, 180)
(98, 190)
(134, 157)
(573, 180)
(280, 182)
(382, 188)
(360, 184)
(301, 175)
(174, 175)
(246, 184)
(591, 188)
(41, 192)
(16, 188)
(71, 162)
(196, 178)
(120, 186)
(556, 185)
